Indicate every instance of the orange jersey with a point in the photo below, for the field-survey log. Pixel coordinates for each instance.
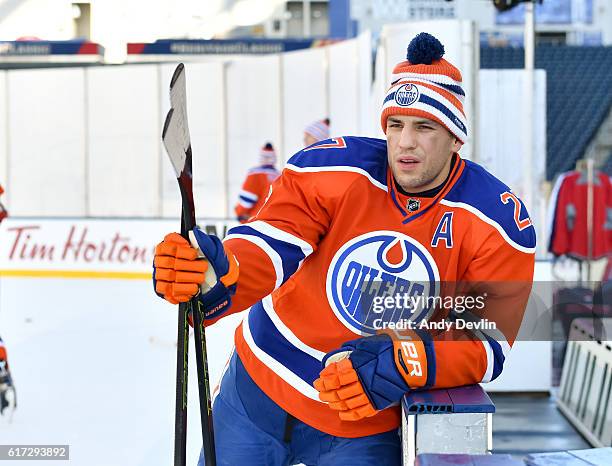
(254, 190)
(2, 351)
(335, 220)
(3, 211)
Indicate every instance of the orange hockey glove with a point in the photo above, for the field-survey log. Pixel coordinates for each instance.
(179, 271)
(205, 268)
(339, 386)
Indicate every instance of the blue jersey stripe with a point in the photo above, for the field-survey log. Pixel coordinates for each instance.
(368, 154)
(498, 357)
(269, 339)
(246, 200)
(290, 254)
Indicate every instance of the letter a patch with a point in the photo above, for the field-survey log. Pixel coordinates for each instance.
(444, 231)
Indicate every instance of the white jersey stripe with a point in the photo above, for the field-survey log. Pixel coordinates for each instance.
(337, 168)
(245, 204)
(249, 195)
(277, 233)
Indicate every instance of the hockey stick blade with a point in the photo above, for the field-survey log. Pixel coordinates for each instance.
(176, 141)
(178, 86)
(176, 127)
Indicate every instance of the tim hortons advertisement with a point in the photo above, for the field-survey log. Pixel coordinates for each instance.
(86, 248)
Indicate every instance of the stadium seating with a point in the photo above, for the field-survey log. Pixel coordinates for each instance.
(577, 93)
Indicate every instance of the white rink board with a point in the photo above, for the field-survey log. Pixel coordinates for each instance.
(86, 248)
(501, 149)
(366, 118)
(47, 141)
(344, 86)
(253, 116)
(206, 113)
(304, 91)
(4, 163)
(124, 128)
(105, 132)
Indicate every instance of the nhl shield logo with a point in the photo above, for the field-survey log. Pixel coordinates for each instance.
(413, 205)
(406, 95)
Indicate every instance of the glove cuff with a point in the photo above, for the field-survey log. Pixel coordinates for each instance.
(335, 356)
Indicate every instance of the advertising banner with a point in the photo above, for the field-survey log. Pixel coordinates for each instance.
(86, 248)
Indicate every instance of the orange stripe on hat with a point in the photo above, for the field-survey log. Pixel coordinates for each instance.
(440, 66)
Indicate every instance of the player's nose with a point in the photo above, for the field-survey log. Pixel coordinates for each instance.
(407, 138)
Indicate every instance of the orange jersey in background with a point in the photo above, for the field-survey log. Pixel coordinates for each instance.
(254, 191)
(2, 351)
(3, 211)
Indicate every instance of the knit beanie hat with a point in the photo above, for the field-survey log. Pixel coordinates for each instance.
(267, 156)
(427, 85)
(319, 129)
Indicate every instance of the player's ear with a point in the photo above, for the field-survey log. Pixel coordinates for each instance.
(457, 145)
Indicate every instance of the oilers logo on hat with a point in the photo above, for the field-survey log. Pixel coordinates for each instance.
(406, 95)
(379, 265)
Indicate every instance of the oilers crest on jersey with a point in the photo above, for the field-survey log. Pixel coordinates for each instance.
(381, 264)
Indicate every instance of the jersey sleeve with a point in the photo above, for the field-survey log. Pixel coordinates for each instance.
(286, 230)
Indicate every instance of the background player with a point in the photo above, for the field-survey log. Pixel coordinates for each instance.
(312, 379)
(8, 400)
(257, 184)
(3, 211)
(316, 131)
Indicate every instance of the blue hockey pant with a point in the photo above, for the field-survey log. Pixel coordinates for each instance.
(252, 430)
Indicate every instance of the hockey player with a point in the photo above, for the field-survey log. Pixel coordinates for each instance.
(315, 378)
(8, 401)
(257, 184)
(7, 389)
(316, 131)
(3, 211)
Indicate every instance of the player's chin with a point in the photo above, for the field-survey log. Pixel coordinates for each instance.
(409, 182)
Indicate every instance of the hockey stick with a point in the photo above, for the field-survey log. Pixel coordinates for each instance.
(177, 142)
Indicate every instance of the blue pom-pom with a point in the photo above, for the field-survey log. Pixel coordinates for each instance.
(424, 49)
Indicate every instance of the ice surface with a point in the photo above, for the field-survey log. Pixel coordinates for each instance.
(94, 367)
